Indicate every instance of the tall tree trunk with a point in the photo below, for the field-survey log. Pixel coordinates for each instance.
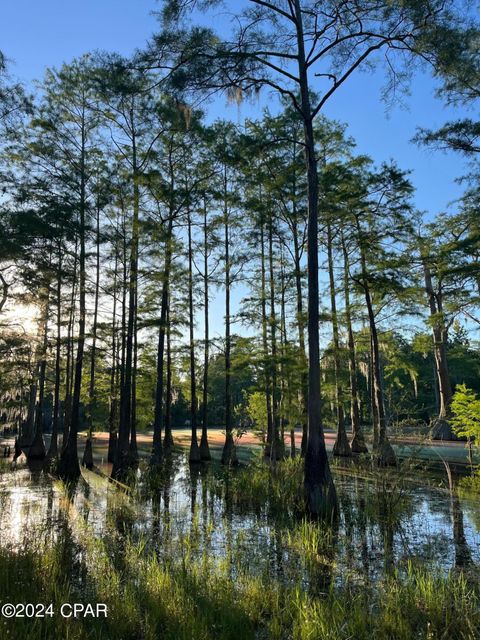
(69, 368)
(441, 429)
(87, 460)
(282, 401)
(373, 399)
(320, 494)
(285, 370)
(303, 391)
(276, 451)
(435, 385)
(123, 348)
(204, 448)
(133, 449)
(341, 446)
(266, 354)
(37, 447)
(384, 451)
(53, 448)
(157, 452)
(69, 467)
(194, 455)
(122, 458)
(358, 441)
(303, 396)
(27, 428)
(168, 439)
(112, 438)
(229, 455)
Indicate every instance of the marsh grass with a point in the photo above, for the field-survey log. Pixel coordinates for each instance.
(182, 598)
(278, 488)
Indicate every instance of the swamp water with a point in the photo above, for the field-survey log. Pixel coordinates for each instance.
(198, 513)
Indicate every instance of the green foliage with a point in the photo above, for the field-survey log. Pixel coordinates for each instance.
(242, 379)
(257, 412)
(465, 409)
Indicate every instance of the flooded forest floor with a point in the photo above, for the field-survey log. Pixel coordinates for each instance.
(205, 552)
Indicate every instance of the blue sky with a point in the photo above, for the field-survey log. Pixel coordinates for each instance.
(37, 34)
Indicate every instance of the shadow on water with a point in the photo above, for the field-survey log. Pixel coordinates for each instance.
(463, 556)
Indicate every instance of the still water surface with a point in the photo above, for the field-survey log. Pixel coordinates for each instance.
(382, 525)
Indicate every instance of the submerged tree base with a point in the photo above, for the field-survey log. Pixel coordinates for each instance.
(321, 501)
(341, 447)
(112, 446)
(274, 451)
(205, 454)
(52, 453)
(133, 458)
(229, 453)
(168, 442)
(36, 451)
(385, 455)
(68, 467)
(87, 460)
(358, 444)
(122, 467)
(156, 457)
(194, 454)
(442, 430)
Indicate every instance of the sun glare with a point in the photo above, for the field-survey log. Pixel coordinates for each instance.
(22, 318)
